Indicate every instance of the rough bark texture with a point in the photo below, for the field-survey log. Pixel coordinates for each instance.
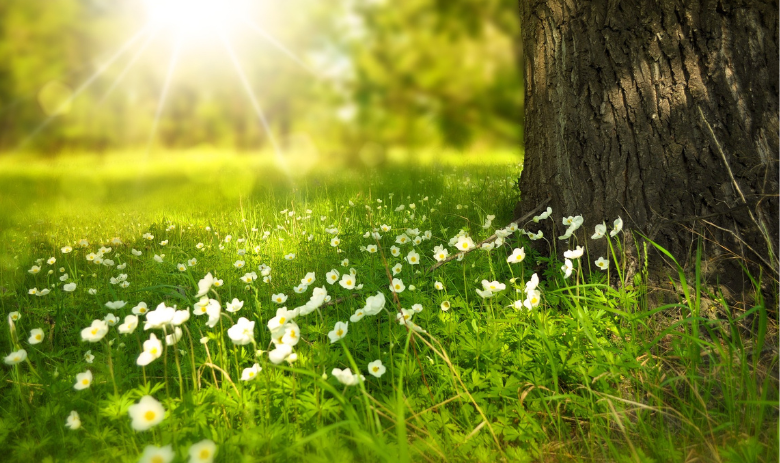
(655, 111)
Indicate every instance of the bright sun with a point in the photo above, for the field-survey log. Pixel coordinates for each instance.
(195, 18)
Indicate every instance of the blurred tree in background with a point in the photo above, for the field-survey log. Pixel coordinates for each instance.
(367, 76)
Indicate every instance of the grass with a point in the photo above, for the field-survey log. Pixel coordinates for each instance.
(595, 372)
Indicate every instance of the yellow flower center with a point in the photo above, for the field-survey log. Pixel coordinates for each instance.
(204, 454)
(281, 320)
(85, 382)
(94, 331)
(375, 369)
(149, 415)
(340, 332)
(397, 286)
(38, 337)
(349, 282)
(157, 459)
(153, 351)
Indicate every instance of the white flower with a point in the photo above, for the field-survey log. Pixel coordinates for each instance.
(158, 258)
(413, 258)
(154, 454)
(279, 354)
(15, 357)
(567, 268)
(242, 333)
(70, 287)
(535, 236)
(485, 294)
(181, 267)
(404, 316)
(35, 269)
(136, 252)
(83, 380)
(357, 316)
(180, 317)
(204, 285)
(602, 263)
(601, 229)
(397, 269)
(289, 256)
(36, 336)
(402, 238)
(395, 251)
(92, 291)
(532, 299)
(445, 306)
(73, 422)
(140, 309)
(371, 248)
(532, 283)
(374, 304)
(346, 377)
(376, 368)
(239, 264)
(88, 357)
(148, 412)
(234, 306)
(544, 215)
(309, 279)
(94, 332)
(465, 243)
(279, 298)
(338, 332)
(617, 227)
(397, 286)
(518, 254)
(113, 305)
(110, 319)
(152, 351)
(493, 286)
(332, 276)
(129, 326)
(276, 324)
(440, 253)
(347, 281)
(576, 253)
(335, 241)
(159, 317)
(213, 310)
(250, 373)
(66, 249)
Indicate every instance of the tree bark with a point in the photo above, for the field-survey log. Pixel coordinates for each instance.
(662, 112)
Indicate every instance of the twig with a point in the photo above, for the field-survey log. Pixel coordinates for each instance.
(761, 226)
(492, 237)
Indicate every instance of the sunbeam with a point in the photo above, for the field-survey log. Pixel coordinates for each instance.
(255, 104)
(128, 66)
(163, 94)
(279, 46)
(103, 67)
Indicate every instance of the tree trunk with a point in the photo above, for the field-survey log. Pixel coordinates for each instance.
(662, 112)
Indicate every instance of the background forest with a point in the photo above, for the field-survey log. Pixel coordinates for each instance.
(342, 75)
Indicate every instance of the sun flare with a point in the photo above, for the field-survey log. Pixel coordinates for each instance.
(196, 18)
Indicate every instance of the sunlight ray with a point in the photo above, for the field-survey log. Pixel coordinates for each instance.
(255, 104)
(128, 66)
(279, 46)
(164, 94)
(85, 85)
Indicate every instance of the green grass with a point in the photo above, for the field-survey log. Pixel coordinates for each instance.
(596, 372)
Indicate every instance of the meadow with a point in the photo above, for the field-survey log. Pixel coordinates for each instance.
(208, 306)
